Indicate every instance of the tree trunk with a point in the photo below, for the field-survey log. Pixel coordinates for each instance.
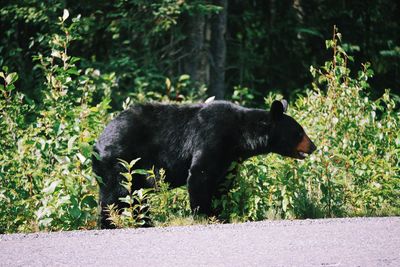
(218, 51)
(195, 61)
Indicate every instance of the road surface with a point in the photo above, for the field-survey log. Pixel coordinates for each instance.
(325, 242)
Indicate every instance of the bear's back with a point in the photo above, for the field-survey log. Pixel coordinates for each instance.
(157, 128)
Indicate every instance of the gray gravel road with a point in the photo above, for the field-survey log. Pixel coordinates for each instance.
(328, 242)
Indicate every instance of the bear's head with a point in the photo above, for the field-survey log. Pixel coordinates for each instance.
(286, 136)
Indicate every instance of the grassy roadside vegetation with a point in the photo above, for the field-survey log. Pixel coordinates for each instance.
(46, 181)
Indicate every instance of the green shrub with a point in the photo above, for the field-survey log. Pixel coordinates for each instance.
(356, 169)
(167, 205)
(46, 181)
(159, 205)
(135, 214)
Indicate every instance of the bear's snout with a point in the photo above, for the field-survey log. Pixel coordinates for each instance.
(306, 146)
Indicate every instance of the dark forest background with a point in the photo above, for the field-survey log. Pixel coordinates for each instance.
(263, 45)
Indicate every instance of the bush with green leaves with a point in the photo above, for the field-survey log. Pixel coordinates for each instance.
(135, 210)
(167, 205)
(45, 174)
(182, 91)
(157, 206)
(356, 169)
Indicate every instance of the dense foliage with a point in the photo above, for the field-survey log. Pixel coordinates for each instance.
(46, 180)
(269, 44)
(58, 82)
(356, 170)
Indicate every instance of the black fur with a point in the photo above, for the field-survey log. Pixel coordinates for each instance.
(195, 144)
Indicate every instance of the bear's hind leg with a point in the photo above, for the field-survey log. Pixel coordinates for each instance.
(199, 195)
(203, 176)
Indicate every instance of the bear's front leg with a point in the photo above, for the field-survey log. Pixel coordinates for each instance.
(201, 182)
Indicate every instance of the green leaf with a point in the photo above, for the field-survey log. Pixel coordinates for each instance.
(74, 59)
(73, 71)
(125, 164)
(126, 199)
(127, 176)
(45, 222)
(184, 77)
(11, 78)
(10, 87)
(56, 53)
(133, 162)
(75, 211)
(51, 188)
(126, 213)
(329, 43)
(65, 15)
(86, 149)
(81, 158)
(140, 171)
(310, 32)
(89, 201)
(71, 142)
(98, 179)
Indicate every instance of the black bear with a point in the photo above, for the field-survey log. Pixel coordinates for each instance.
(195, 145)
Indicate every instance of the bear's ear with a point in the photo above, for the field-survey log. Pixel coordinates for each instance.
(284, 104)
(278, 108)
